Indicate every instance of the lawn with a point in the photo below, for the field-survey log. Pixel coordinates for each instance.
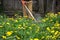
(24, 28)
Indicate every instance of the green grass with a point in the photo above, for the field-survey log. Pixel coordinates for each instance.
(24, 28)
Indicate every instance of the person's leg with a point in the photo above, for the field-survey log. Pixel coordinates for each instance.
(30, 8)
(24, 11)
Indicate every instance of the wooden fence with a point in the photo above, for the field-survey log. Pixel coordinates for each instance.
(12, 5)
(39, 6)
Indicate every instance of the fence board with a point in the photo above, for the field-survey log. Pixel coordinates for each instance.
(12, 5)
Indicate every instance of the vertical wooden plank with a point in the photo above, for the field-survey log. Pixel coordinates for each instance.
(20, 5)
(41, 7)
(5, 4)
(12, 5)
(57, 5)
(45, 6)
(53, 6)
(0, 2)
(49, 6)
(15, 4)
(35, 5)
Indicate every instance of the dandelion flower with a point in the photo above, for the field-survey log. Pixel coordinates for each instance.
(16, 20)
(52, 31)
(17, 37)
(57, 24)
(56, 32)
(1, 26)
(8, 23)
(58, 12)
(43, 20)
(4, 37)
(31, 39)
(30, 27)
(48, 28)
(36, 39)
(9, 33)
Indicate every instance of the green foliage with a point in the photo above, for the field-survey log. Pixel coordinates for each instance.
(24, 28)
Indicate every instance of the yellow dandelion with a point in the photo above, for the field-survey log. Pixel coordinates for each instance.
(43, 20)
(48, 28)
(30, 27)
(16, 20)
(52, 31)
(8, 23)
(1, 26)
(19, 27)
(33, 24)
(4, 37)
(46, 18)
(56, 15)
(11, 18)
(42, 37)
(9, 33)
(57, 24)
(54, 37)
(31, 39)
(17, 37)
(50, 36)
(52, 15)
(58, 12)
(36, 39)
(47, 36)
(56, 32)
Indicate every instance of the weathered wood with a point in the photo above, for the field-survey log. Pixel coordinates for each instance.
(12, 5)
(35, 6)
(41, 7)
(57, 5)
(51, 4)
